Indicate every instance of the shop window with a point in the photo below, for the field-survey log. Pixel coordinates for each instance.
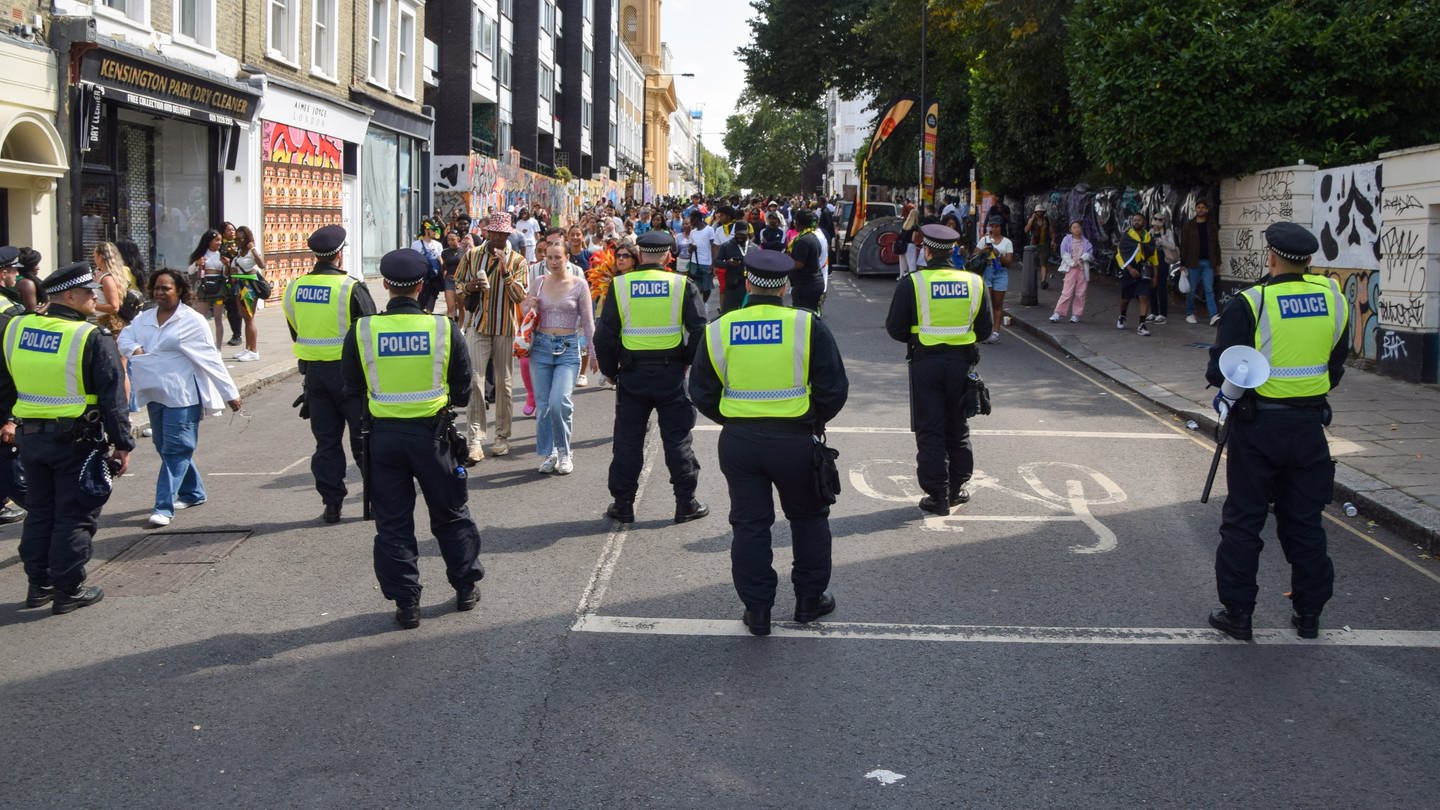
(136, 10)
(405, 54)
(379, 40)
(282, 31)
(325, 26)
(195, 22)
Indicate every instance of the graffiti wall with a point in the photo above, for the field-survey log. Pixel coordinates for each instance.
(1251, 204)
(1346, 206)
(302, 188)
(474, 185)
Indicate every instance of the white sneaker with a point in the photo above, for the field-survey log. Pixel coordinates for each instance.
(994, 338)
(581, 381)
(605, 382)
(566, 465)
(158, 520)
(1055, 317)
(1190, 319)
(1074, 319)
(550, 463)
(1161, 319)
(1149, 318)
(146, 432)
(247, 356)
(187, 505)
(1214, 319)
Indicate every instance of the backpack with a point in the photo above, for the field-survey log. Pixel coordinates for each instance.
(131, 305)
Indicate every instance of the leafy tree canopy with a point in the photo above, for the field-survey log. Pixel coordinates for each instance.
(770, 144)
(719, 179)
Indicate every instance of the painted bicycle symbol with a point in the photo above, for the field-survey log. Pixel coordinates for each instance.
(1083, 487)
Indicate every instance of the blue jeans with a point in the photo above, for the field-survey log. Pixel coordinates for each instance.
(1202, 277)
(174, 431)
(554, 363)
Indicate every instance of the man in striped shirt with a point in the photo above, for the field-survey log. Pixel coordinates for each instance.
(492, 280)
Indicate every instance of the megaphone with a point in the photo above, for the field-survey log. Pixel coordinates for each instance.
(1243, 368)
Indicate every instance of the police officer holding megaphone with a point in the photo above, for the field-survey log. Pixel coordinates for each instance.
(1280, 348)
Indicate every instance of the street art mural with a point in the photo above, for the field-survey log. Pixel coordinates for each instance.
(1347, 216)
(301, 188)
(472, 186)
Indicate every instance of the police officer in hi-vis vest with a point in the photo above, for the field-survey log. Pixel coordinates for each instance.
(649, 328)
(60, 384)
(937, 312)
(1277, 448)
(320, 307)
(407, 368)
(772, 376)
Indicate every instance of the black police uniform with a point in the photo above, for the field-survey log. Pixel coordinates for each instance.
(939, 377)
(732, 258)
(758, 454)
(55, 542)
(648, 381)
(404, 452)
(1277, 453)
(329, 410)
(807, 282)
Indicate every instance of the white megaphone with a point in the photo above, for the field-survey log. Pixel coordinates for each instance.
(1243, 368)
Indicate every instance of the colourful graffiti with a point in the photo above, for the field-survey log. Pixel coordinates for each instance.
(299, 147)
(474, 185)
(1362, 291)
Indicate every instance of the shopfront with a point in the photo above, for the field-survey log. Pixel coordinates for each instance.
(152, 144)
(396, 194)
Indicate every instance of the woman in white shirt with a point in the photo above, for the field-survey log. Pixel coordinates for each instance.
(177, 373)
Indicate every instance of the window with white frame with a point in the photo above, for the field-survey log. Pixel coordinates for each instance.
(137, 10)
(507, 8)
(481, 28)
(589, 9)
(547, 18)
(585, 114)
(547, 83)
(325, 26)
(504, 76)
(587, 61)
(379, 40)
(282, 30)
(195, 22)
(405, 53)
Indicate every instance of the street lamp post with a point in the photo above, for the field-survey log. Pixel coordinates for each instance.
(644, 130)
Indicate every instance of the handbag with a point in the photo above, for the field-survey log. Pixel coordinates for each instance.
(212, 287)
(1183, 283)
(525, 335)
(130, 305)
(261, 286)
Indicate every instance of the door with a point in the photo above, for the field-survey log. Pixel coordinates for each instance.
(97, 212)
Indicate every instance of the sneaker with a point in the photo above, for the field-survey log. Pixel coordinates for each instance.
(1120, 322)
(566, 465)
(158, 520)
(606, 382)
(1190, 319)
(1214, 319)
(146, 432)
(1074, 319)
(550, 463)
(994, 338)
(234, 341)
(581, 381)
(1161, 319)
(247, 357)
(529, 409)
(476, 453)
(501, 447)
(1142, 330)
(11, 514)
(188, 504)
(1150, 318)
(1055, 318)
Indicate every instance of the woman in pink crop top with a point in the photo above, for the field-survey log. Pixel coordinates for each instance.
(563, 303)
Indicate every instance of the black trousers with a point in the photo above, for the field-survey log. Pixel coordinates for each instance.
(232, 312)
(12, 476)
(732, 299)
(55, 541)
(430, 292)
(807, 294)
(658, 387)
(1280, 457)
(330, 415)
(753, 460)
(403, 455)
(944, 459)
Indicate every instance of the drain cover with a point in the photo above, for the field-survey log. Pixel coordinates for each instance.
(165, 563)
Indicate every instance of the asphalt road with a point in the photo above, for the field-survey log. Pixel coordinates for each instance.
(1045, 646)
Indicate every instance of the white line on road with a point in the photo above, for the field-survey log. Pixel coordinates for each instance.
(1135, 636)
(610, 552)
(287, 468)
(1039, 434)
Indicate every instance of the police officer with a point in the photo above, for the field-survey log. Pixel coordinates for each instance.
(649, 328)
(1277, 447)
(937, 312)
(320, 308)
(60, 384)
(407, 368)
(772, 376)
(11, 306)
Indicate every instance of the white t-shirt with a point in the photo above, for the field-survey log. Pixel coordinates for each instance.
(824, 260)
(530, 230)
(700, 241)
(1003, 248)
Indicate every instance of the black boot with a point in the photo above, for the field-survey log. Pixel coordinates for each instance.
(332, 512)
(83, 596)
(690, 510)
(810, 608)
(959, 496)
(467, 598)
(934, 505)
(1307, 625)
(1232, 622)
(39, 595)
(407, 615)
(621, 512)
(757, 621)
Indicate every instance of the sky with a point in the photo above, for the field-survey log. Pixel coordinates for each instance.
(703, 36)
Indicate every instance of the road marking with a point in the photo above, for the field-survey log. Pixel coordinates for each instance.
(600, 578)
(1001, 634)
(1038, 434)
(287, 468)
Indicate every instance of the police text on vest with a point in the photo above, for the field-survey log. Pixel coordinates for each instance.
(949, 289)
(404, 344)
(37, 340)
(755, 332)
(311, 294)
(649, 289)
(1308, 305)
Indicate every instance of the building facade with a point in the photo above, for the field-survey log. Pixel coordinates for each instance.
(640, 31)
(847, 127)
(33, 156)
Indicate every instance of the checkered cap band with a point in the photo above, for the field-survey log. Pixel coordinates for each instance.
(78, 281)
(936, 244)
(765, 282)
(1289, 256)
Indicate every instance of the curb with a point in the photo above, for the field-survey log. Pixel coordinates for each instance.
(1406, 515)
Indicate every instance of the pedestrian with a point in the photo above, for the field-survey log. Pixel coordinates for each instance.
(702, 255)
(772, 377)
(998, 254)
(449, 262)
(229, 248)
(178, 375)
(320, 307)
(772, 236)
(564, 320)
(1277, 452)
(27, 283)
(1167, 255)
(646, 338)
(1037, 234)
(937, 311)
(406, 368)
(731, 260)
(115, 280)
(12, 305)
(528, 228)
(807, 280)
(211, 270)
(1076, 253)
(62, 392)
(1199, 256)
(246, 269)
(429, 247)
(492, 277)
(1138, 263)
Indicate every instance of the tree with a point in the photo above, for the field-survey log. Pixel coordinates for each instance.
(770, 144)
(719, 179)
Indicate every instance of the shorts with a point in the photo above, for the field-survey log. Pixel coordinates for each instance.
(1131, 287)
(703, 276)
(997, 278)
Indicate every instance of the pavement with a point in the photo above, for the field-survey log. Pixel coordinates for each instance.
(1385, 435)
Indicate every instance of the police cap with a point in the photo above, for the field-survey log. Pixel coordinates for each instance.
(9, 256)
(403, 267)
(70, 277)
(655, 241)
(327, 241)
(939, 237)
(768, 268)
(1291, 242)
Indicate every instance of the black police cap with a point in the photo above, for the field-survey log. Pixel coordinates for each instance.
(939, 237)
(655, 241)
(326, 241)
(9, 256)
(768, 268)
(1291, 242)
(70, 277)
(403, 267)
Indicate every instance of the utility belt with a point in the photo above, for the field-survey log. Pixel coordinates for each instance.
(306, 364)
(28, 427)
(800, 426)
(86, 430)
(628, 360)
(418, 421)
(1248, 408)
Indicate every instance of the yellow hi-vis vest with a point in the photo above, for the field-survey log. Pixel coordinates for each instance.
(762, 356)
(317, 305)
(405, 358)
(45, 358)
(1297, 324)
(946, 300)
(649, 302)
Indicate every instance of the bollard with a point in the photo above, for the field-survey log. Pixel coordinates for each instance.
(1029, 279)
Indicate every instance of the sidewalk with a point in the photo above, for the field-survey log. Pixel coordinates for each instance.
(1385, 435)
